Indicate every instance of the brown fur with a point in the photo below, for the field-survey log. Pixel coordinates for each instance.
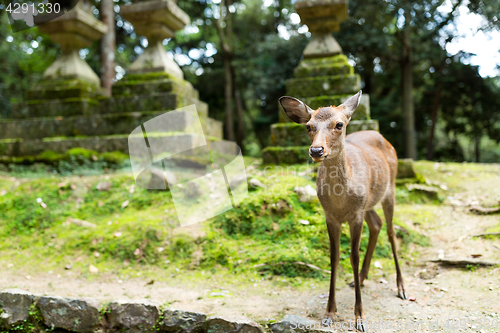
(357, 171)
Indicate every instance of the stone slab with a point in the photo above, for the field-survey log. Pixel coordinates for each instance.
(323, 85)
(231, 325)
(131, 316)
(100, 124)
(151, 102)
(182, 321)
(14, 307)
(99, 143)
(133, 87)
(75, 315)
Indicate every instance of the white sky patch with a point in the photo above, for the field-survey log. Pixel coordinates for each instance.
(484, 45)
(283, 32)
(294, 18)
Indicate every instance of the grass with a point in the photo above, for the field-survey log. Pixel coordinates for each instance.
(264, 229)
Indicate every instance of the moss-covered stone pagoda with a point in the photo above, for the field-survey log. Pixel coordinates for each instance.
(323, 78)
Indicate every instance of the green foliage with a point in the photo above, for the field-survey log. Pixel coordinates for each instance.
(74, 161)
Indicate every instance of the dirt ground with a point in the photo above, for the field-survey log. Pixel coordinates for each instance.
(441, 298)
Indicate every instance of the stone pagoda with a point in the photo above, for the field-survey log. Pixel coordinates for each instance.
(323, 78)
(68, 108)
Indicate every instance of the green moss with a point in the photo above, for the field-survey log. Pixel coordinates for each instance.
(323, 85)
(285, 155)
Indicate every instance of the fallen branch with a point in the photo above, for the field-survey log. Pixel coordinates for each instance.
(316, 268)
(463, 262)
(484, 211)
(486, 234)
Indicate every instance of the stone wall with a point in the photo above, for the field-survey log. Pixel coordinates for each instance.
(21, 311)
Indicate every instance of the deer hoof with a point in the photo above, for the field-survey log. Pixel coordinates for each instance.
(402, 295)
(360, 326)
(327, 321)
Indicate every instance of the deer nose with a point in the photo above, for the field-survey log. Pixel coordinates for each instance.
(316, 152)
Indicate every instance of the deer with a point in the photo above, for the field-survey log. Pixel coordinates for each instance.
(357, 171)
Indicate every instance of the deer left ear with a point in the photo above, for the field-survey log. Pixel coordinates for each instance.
(296, 110)
(350, 105)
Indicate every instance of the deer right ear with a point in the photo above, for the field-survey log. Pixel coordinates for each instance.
(296, 110)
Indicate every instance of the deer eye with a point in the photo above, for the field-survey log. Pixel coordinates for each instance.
(339, 126)
(308, 128)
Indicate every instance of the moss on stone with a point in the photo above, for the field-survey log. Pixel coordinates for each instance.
(285, 155)
(362, 125)
(306, 70)
(289, 135)
(321, 85)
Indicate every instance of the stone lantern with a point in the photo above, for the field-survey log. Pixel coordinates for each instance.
(323, 78)
(156, 20)
(322, 17)
(74, 30)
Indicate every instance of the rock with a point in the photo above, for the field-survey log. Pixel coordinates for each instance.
(81, 223)
(104, 186)
(161, 180)
(14, 307)
(183, 321)
(76, 315)
(429, 191)
(255, 183)
(306, 193)
(132, 317)
(231, 325)
(292, 323)
(406, 168)
(237, 181)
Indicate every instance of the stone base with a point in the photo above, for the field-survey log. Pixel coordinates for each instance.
(100, 144)
(60, 115)
(96, 125)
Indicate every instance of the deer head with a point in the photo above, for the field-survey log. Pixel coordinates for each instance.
(326, 126)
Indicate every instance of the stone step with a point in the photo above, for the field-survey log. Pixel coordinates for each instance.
(336, 65)
(20, 147)
(89, 106)
(99, 124)
(362, 112)
(63, 89)
(293, 135)
(323, 85)
(132, 87)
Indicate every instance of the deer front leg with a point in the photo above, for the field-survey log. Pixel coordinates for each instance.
(334, 234)
(355, 228)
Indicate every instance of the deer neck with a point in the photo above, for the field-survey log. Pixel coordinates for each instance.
(337, 170)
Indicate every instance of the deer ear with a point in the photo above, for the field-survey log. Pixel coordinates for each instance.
(350, 105)
(296, 110)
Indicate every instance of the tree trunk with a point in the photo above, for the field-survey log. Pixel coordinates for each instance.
(108, 45)
(239, 115)
(408, 107)
(434, 117)
(477, 147)
(228, 96)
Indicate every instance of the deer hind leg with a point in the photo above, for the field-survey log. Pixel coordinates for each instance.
(388, 206)
(374, 225)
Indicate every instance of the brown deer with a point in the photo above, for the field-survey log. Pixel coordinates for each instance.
(357, 171)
